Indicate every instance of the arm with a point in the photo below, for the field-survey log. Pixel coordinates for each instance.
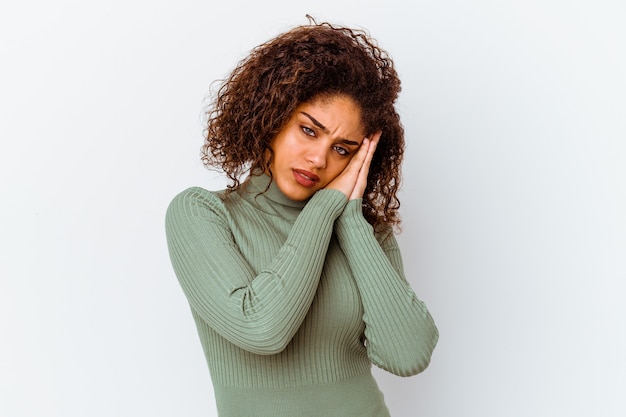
(259, 312)
(399, 330)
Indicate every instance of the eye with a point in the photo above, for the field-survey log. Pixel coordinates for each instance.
(341, 151)
(307, 131)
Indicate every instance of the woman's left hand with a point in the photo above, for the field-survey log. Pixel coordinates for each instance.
(353, 179)
(361, 180)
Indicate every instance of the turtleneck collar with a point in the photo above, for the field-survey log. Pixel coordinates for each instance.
(270, 199)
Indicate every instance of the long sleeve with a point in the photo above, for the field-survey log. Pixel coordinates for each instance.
(400, 332)
(257, 311)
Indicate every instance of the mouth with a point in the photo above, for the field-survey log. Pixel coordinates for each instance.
(305, 178)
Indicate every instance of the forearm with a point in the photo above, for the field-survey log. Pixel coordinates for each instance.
(400, 331)
(259, 311)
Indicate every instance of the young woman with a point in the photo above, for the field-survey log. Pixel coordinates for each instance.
(293, 274)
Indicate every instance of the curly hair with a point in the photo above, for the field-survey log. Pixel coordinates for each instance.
(309, 62)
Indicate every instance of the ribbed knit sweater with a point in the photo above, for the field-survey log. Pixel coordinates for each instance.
(293, 301)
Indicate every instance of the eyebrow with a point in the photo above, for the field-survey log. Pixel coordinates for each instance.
(325, 129)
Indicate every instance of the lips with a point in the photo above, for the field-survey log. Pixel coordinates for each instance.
(305, 178)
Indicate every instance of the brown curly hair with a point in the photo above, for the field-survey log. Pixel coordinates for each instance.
(298, 66)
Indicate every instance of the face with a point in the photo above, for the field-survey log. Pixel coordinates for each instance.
(316, 145)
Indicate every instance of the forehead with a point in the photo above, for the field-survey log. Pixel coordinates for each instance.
(335, 113)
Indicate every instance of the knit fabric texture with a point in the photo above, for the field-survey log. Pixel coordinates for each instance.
(294, 301)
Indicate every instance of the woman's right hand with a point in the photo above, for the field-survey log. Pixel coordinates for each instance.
(353, 179)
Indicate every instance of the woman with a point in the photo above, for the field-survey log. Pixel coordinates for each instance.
(293, 275)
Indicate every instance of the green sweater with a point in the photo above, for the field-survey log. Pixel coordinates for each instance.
(293, 301)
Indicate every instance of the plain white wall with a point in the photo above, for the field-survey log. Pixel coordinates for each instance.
(514, 198)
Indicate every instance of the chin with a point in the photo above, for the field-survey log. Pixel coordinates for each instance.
(296, 193)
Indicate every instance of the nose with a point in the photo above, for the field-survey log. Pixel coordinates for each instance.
(316, 155)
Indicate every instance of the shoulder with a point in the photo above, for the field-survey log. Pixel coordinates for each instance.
(196, 203)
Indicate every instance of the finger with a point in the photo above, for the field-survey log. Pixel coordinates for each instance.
(371, 149)
(369, 156)
(347, 179)
(361, 182)
(375, 138)
(357, 161)
(363, 149)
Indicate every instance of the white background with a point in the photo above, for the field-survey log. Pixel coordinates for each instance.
(514, 198)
